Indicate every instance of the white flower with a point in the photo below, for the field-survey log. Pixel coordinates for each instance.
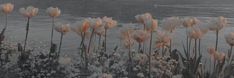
(151, 24)
(95, 22)
(7, 8)
(230, 38)
(141, 36)
(108, 22)
(190, 21)
(143, 17)
(163, 39)
(62, 28)
(217, 24)
(195, 33)
(53, 11)
(170, 24)
(29, 12)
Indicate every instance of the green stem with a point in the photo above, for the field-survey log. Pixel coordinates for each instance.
(51, 39)
(99, 41)
(195, 46)
(26, 37)
(231, 56)
(217, 38)
(190, 40)
(6, 21)
(151, 34)
(52, 32)
(60, 44)
(187, 40)
(105, 39)
(130, 60)
(90, 40)
(199, 46)
(170, 46)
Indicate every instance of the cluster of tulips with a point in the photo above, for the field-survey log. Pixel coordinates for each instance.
(89, 27)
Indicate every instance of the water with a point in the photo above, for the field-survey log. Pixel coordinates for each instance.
(121, 10)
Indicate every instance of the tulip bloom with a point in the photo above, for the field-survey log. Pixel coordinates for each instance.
(108, 23)
(188, 22)
(170, 24)
(28, 12)
(53, 12)
(82, 29)
(62, 29)
(140, 36)
(94, 24)
(216, 25)
(128, 42)
(7, 8)
(163, 39)
(230, 40)
(215, 55)
(143, 17)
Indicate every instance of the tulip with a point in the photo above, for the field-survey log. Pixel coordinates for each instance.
(196, 33)
(150, 25)
(53, 12)
(62, 29)
(140, 36)
(94, 24)
(82, 29)
(230, 40)
(170, 24)
(7, 8)
(216, 56)
(28, 12)
(100, 32)
(163, 40)
(216, 25)
(108, 23)
(188, 22)
(128, 42)
(143, 17)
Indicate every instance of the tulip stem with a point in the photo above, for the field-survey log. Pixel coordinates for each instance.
(52, 32)
(130, 58)
(6, 21)
(99, 42)
(105, 39)
(151, 34)
(90, 41)
(190, 40)
(60, 44)
(170, 46)
(195, 48)
(26, 37)
(51, 39)
(199, 46)
(217, 38)
(231, 55)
